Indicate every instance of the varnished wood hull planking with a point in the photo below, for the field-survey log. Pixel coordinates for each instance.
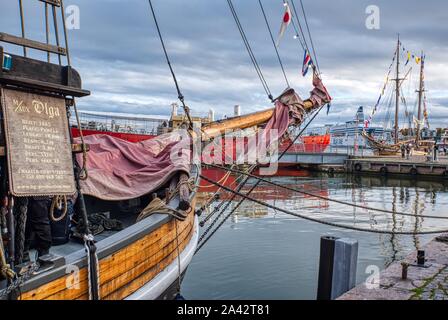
(125, 271)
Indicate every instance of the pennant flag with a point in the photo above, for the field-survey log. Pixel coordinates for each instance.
(307, 62)
(366, 123)
(417, 60)
(378, 102)
(287, 16)
(409, 58)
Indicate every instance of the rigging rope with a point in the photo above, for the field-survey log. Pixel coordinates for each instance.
(332, 224)
(308, 29)
(299, 32)
(250, 52)
(242, 184)
(179, 93)
(322, 197)
(202, 239)
(273, 42)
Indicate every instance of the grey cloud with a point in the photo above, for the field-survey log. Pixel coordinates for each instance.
(120, 58)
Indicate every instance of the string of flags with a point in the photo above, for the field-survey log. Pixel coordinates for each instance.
(410, 56)
(286, 21)
(383, 90)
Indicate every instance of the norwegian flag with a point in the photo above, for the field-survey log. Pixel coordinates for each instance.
(285, 23)
(307, 62)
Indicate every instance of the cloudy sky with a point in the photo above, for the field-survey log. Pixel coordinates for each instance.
(119, 56)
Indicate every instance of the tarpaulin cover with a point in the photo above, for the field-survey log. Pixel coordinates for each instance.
(122, 170)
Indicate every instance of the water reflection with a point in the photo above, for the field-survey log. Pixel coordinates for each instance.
(252, 246)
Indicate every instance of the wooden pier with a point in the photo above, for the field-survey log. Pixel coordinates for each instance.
(415, 166)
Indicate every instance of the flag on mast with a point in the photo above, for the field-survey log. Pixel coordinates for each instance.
(307, 62)
(287, 16)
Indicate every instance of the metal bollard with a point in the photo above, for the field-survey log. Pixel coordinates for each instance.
(337, 267)
(404, 270)
(421, 257)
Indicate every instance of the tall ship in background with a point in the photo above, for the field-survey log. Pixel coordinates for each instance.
(408, 124)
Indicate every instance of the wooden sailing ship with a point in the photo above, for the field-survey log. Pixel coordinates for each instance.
(387, 148)
(149, 237)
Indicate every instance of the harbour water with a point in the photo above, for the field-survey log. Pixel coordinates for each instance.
(262, 254)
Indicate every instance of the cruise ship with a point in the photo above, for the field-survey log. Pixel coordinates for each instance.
(348, 134)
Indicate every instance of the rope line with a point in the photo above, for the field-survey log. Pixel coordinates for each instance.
(325, 198)
(308, 30)
(332, 224)
(273, 42)
(202, 239)
(242, 184)
(300, 35)
(249, 50)
(179, 93)
(299, 31)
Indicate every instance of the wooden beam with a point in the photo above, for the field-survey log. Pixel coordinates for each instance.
(56, 3)
(43, 76)
(45, 86)
(184, 192)
(4, 37)
(243, 122)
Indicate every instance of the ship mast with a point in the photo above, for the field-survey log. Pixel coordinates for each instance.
(397, 90)
(420, 98)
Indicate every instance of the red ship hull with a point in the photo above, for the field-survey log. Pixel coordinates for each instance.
(131, 137)
(308, 144)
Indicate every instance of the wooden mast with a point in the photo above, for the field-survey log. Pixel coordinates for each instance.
(397, 90)
(420, 99)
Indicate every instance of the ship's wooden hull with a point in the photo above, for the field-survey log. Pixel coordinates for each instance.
(125, 271)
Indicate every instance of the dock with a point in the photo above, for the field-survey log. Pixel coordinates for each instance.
(326, 162)
(427, 282)
(415, 166)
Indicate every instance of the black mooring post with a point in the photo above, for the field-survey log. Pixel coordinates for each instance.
(421, 258)
(337, 267)
(326, 262)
